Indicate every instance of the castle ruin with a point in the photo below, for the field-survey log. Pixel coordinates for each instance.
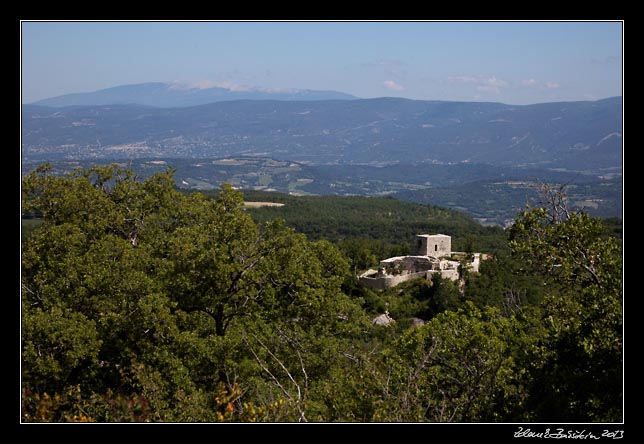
(431, 254)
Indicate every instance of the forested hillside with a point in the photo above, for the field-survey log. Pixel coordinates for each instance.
(143, 303)
(368, 229)
(340, 218)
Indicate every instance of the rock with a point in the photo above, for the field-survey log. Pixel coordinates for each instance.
(383, 319)
(417, 322)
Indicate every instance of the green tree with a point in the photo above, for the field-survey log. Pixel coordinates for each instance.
(149, 304)
(90, 283)
(458, 367)
(502, 282)
(301, 341)
(359, 251)
(576, 371)
(443, 295)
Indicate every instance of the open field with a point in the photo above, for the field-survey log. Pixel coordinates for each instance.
(262, 204)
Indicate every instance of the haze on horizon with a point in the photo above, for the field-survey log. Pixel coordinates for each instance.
(508, 62)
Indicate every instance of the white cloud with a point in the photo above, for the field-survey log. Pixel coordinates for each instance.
(529, 82)
(492, 84)
(278, 90)
(393, 86)
(175, 84)
(532, 83)
(231, 86)
(206, 84)
(493, 81)
(483, 84)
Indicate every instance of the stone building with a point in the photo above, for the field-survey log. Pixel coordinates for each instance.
(435, 245)
(431, 254)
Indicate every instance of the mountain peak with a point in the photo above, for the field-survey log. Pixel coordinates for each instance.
(179, 94)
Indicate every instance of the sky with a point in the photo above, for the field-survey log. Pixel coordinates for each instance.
(509, 62)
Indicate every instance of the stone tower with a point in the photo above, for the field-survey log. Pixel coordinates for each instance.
(435, 245)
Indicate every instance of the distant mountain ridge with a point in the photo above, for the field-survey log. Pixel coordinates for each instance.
(171, 95)
(572, 135)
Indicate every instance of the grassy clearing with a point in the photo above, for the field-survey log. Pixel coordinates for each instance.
(262, 204)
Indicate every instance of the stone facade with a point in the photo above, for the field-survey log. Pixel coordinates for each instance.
(430, 253)
(435, 245)
(372, 279)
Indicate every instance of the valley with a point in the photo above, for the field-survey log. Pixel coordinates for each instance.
(491, 195)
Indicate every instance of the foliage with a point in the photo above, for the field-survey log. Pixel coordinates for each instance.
(577, 369)
(459, 367)
(420, 298)
(225, 400)
(132, 289)
(368, 229)
(141, 303)
(503, 282)
(490, 194)
(47, 408)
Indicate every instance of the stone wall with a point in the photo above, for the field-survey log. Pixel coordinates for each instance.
(451, 274)
(407, 264)
(423, 263)
(381, 282)
(373, 279)
(476, 262)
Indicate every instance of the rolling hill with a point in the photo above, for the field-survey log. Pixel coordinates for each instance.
(384, 131)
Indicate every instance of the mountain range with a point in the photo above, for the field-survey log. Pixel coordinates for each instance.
(484, 158)
(585, 135)
(171, 95)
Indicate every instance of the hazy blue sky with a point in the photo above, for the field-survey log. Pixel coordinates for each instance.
(509, 62)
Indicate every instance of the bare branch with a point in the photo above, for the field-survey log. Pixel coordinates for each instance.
(306, 376)
(300, 397)
(512, 301)
(554, 199)
(261, 364)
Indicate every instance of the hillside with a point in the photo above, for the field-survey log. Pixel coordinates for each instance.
(384, 131)
(387, 220)
(499, 201)
(493, 195)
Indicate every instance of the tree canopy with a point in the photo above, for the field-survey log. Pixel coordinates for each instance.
(142, 303)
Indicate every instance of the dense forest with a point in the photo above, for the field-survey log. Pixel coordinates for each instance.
(368, 229)
(144, 303)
